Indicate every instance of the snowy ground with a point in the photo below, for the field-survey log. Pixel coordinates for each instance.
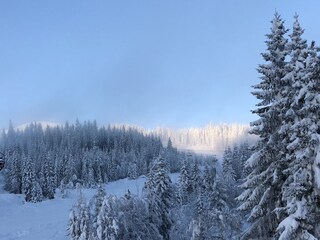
(48, 220)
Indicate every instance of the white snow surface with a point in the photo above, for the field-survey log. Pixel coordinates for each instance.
(48, 220)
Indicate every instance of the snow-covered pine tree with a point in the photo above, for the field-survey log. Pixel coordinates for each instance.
(31, 187)
(49, 176)
(263, 186)
(79, 224)
(73, 226)
(91, 179)
(227, 166)
(107, 220)
(216, 219)
(229, 175)
(159, 194)
(236, 163)
(36, 192)
(185, 184)
(300, 216)
(132, 169)
(196, 178)
(97, 201)
(135, 224)
(13, 173)
(214, 200)
(171, 154)
(197, 226)
(84, 219)
(84, 169)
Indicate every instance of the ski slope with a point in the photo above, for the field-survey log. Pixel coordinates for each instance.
(48, 220)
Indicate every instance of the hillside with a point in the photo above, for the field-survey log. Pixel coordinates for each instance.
(48, 219)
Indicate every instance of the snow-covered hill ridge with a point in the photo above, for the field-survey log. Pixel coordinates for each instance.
(210, 139)
(44, 124)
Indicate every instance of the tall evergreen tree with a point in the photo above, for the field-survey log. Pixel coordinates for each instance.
(84, 220)
(79, 224)
(135, 224)
(49, 177)
(263, 186)
(159, 193)
(31, 188)
(73, 226)
(108, 220)
(300, 216)
(185, 184)
(228, 166)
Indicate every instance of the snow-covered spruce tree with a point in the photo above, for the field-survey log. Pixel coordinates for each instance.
(84, 219)
(108, 220)
(36, 192)
(196, 178)
(185, 184)
(300, 216)
(13, 173)
(212, 216)
(172, 157)
(73, 226)
(98, 199)
(134, 223)
(197, 225)
(28, 175)
(159, 195)
(227, 165)
(132, 168)
(184, 216)
(236, 163)
(30, 186)
(264, 185)
(79, 225)
(229, 175)
(96, 203)
(50, 184)
(84, 169)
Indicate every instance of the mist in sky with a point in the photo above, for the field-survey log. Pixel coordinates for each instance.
(149, 63)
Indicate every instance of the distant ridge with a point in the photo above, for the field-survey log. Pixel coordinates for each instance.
(44, 124)
(211, 139)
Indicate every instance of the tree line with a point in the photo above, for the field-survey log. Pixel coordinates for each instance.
(40, 160)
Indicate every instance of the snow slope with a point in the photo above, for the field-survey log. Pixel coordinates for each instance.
(48, 220)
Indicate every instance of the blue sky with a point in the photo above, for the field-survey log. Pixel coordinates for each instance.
(152, 63)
